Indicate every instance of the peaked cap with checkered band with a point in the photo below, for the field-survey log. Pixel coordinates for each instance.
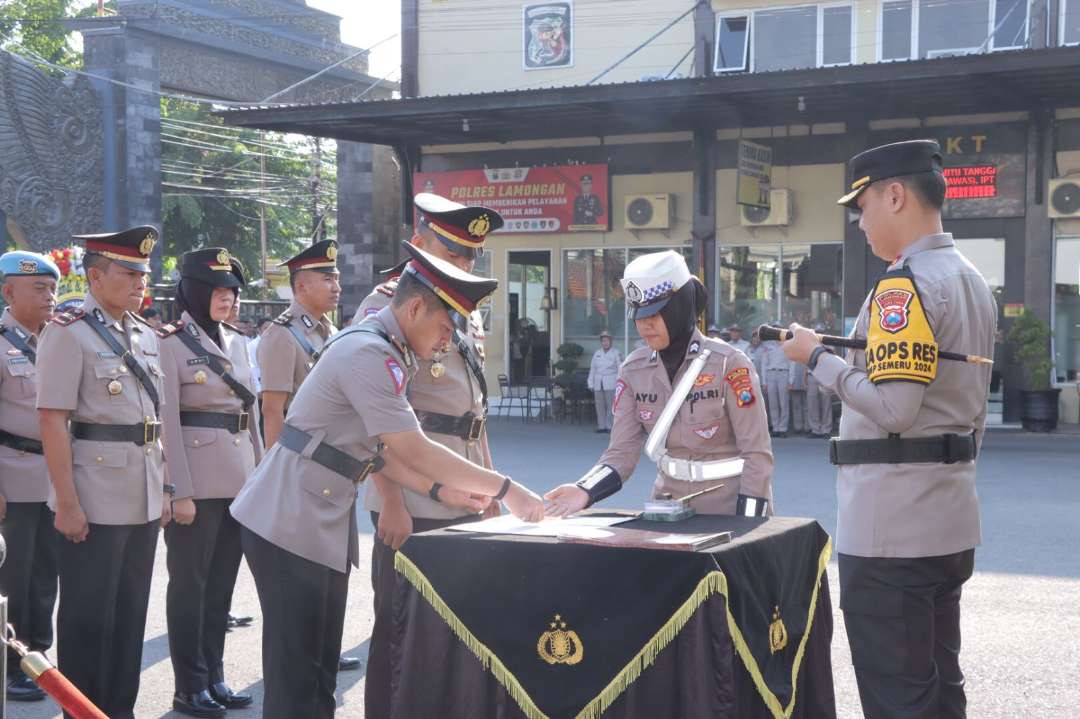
(649, 282)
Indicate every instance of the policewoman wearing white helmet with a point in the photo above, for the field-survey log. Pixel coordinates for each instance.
(692, 402)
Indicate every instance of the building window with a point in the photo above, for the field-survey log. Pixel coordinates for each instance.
(920, 29)
(732, 44)
(1067, 309)
(1070, 22)
(593, 298)
(837, 34)
(785, 38)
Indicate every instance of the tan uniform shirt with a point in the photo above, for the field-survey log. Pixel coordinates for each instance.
(283, 363)
(455, 393)
(917, 510)
(117, 482)
(711, 425)
(205, 462)
(23, 475)
(356, 393)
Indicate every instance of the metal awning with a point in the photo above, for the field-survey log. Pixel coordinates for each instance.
(995, 82)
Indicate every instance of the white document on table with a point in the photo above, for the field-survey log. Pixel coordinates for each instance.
(547, 527)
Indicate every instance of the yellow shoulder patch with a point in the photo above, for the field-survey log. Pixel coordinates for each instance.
(900, 344)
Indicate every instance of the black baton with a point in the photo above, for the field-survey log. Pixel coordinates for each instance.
(768, 332)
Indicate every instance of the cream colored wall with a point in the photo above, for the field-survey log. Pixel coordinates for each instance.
(476, 45)
(817, 217)
(680, 184)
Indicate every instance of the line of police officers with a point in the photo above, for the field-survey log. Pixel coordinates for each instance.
(358, 404)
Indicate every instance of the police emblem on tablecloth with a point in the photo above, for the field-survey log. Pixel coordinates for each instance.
(893, 305)
(777, 633)
(559, 646)
(742, 385)
(397, 375)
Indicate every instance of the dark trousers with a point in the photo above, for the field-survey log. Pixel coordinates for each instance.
(303, 607)
(104, 592)
(204, 558)
(28, 576)
(377, 688)
(903, 626)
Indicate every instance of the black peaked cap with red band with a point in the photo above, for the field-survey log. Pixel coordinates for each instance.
(214, 266)
(461, 228)
(322, 257)
(130, 248)
(460, 291)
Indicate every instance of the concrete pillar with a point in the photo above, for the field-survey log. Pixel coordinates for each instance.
(355, 223)
(704, 222)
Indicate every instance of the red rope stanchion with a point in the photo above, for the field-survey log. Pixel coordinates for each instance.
(40, 669)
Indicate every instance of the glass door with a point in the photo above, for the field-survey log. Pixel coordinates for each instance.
(529, 311)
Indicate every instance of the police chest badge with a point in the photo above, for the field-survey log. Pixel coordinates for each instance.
(397, 375)
(559, 646)
(900, 344)
(742, 385)
(707, 432)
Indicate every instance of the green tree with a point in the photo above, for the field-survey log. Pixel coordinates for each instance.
(38, 26)
(216, 179)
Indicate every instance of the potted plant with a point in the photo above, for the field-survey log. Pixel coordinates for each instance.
(569, 354)
(1039, 401)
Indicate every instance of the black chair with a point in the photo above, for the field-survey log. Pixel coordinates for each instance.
(542, 393)
(511, 395)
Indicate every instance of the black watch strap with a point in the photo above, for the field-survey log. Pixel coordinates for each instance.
(434, 492)
(505, 488)
(815, 356)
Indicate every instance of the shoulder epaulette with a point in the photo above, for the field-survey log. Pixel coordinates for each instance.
(66, 318)
(141, 320)
(388, 288)
(283, 319)
(171, 329)
(234, 328)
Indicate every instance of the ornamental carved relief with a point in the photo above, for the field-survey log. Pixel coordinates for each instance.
(51, 154)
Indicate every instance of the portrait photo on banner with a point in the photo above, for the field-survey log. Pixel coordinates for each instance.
(547, 35)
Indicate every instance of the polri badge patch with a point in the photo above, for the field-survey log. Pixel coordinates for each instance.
(900, 345)
(742, 385)
(397, 375)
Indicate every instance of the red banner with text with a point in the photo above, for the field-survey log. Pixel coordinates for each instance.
(566, 198)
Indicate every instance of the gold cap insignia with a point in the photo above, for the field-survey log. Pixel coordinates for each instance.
(558, 646)
(777, 633)
(480, 226)
(147, 244)
(331, 253)
(860, 182)
(223, 257)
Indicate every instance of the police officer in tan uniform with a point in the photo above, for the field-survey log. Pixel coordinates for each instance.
(721, 419)
(908, 518)
(297, 509)
(100, 368)
(449, 395)
(290, 346)
(28, 575)
(211, 444)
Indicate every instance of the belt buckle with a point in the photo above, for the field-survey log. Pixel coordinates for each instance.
(150, 431)
(476, 428)
(242, 422)
(369, 467)
(833, 452)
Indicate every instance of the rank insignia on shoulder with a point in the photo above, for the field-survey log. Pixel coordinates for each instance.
(695, 347)
(397, 375)
(387, 288)
(742, 385)
(99, 315)
(170, 329)
(66, 318)
(283, 319)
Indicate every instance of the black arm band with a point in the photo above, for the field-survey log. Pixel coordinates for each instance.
(434, 492)
(504, 490)
(748, 506)
(600, 482)
(815, 356)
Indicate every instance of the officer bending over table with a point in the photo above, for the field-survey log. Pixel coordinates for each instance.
(297, 510)
(719, 418)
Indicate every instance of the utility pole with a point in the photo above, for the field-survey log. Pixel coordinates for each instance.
(316, 187)
(262, 213)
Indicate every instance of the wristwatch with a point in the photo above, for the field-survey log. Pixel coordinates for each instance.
(815, 356)
(434, 492)
(170, 489)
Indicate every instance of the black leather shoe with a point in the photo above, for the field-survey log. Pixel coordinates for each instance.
(21, 688)
(229, 699)
(239, 621)
(347, 664)
(197, 705)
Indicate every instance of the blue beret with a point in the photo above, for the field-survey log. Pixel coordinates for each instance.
(22, 263)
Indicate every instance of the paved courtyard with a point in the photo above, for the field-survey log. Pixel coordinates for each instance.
(1021, 617)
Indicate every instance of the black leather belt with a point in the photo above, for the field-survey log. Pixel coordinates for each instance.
(141, 433)
(23, 444)
(944, 448)
(330, 457)
(235, 423)
(469, 427)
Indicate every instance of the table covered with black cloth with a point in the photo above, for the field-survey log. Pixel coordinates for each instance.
(511, 626)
